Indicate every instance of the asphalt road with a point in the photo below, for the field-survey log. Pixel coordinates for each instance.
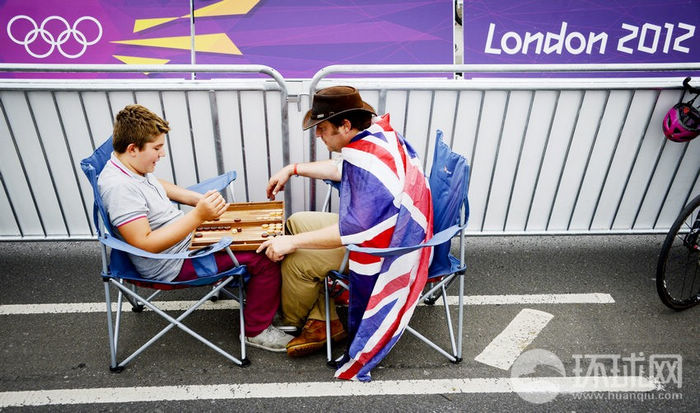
(55, 354)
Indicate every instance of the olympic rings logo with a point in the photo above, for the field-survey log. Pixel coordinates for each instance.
(55, 42)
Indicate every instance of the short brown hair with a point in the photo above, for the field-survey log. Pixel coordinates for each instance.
(138, 125)
(359, 120)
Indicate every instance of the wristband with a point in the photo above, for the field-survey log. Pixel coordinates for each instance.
(295, 169)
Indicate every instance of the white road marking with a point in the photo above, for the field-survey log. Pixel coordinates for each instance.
(322, 389)
(591, 298)
(514, 339)
(65, 308)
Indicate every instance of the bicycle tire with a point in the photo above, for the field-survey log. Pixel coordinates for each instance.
(458, 17)
(678, 261)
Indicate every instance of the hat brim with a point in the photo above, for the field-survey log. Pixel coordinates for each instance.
(308, 122)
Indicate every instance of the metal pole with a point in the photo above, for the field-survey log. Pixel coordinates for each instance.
(192, 38)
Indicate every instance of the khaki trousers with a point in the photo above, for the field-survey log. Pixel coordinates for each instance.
(304, 271)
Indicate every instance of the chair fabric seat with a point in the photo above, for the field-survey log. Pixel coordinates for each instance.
(122, 268)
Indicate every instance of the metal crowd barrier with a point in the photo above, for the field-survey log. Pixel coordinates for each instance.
(48, 125)
(549, 155)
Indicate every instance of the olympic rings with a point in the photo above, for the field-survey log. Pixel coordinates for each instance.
(55, 42)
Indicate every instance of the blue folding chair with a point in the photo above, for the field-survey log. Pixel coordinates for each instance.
(449, 185)
(118, 269)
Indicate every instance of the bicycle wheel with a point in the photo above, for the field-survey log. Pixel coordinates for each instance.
(677, 279)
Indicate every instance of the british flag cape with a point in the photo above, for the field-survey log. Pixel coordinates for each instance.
(384, 202)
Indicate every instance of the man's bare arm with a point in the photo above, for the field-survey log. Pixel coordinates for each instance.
(139, 233)
(327, 169)
(324, 238)
(179, 194)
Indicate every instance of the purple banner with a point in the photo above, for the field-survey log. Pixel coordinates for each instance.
(296, 37)
(574, 31)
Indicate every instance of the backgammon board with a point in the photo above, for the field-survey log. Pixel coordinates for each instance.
(248, 223)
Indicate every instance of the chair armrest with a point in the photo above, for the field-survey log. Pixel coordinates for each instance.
(118, 244)
(218, 182)
(334, 184)
(440, 238)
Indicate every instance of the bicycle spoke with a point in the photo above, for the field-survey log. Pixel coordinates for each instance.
(677, 270)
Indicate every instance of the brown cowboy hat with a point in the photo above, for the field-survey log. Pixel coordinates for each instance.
(333, 101)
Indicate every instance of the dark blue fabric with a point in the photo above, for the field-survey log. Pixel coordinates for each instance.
(218, 182)
(116, 243)
(205, 265)
(92, 166)
(449, 184)
(100, 157)
(120, 266)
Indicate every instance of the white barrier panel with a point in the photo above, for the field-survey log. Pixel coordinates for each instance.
(47, 127)
(550, 156)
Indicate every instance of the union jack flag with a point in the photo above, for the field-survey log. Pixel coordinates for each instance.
(384, 202)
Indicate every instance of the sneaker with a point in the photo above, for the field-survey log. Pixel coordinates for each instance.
(271, 339)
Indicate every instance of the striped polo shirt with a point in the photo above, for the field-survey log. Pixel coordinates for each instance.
(128, 196)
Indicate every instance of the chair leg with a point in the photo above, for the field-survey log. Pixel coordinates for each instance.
(176, 322)
(448, 317)
(150, 297)
(329, 357)
(117, 323)
(430, 299)
(135, 305)
(110, 331)
(460, 317)
(241, 320)
(437, 290)
(214, 298)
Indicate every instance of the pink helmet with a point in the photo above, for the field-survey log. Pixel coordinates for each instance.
(682, 122)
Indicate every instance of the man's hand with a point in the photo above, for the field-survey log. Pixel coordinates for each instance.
(276, 248)
(211, 205)
(278, 180)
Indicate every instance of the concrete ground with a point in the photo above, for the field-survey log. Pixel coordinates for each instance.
(53, 355)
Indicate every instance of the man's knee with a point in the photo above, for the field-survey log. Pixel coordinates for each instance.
(305, 221)
(295, 267)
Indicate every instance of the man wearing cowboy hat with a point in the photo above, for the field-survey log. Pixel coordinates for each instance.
(378, 171)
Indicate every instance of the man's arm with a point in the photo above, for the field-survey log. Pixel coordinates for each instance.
(179, 194)
(324, 238)
(139, 233)
(327, 169)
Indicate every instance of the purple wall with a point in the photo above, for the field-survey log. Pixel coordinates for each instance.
(296, 37)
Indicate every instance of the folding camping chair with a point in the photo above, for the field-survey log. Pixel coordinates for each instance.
(118, 269)
(449, 184)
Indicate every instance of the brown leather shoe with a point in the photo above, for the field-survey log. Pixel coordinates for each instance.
(313, 337)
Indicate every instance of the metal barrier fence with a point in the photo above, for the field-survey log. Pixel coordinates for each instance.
(48, 126)
(549, 156)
